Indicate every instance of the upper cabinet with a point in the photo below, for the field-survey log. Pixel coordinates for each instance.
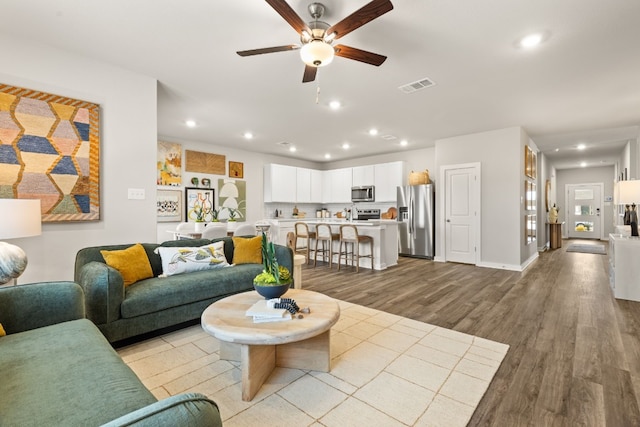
(280, 183)
(363, 175)
(388, 176)
(308, 185)
(337, 185)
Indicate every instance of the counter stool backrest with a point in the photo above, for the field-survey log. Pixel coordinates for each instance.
(302, 229)
(323, 231)
(348, 233)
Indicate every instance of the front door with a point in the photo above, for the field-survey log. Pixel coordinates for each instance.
(584, 211)
(460, 214)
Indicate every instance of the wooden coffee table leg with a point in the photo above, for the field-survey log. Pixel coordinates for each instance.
(313, 353)
(257, 363)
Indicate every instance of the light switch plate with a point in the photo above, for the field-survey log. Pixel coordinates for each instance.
(136, 194)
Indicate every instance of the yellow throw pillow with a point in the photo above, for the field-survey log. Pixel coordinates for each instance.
(132, 263)
(2, 331)
(247, 250)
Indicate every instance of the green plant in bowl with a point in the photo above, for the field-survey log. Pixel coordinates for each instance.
(275, 279)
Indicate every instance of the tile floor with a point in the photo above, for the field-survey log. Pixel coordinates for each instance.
(386, 371)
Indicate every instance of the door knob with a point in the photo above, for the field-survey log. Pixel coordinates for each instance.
(448, 220)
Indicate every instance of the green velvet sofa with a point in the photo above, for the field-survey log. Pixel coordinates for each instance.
(59, 370)
(159, 302)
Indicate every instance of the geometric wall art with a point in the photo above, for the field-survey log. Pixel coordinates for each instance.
(233, 195)
(50, 150)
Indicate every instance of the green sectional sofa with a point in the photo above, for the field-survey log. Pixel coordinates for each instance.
(158, 302)
(59, 370)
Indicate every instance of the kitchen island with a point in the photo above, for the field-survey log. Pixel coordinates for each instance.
(384, 233)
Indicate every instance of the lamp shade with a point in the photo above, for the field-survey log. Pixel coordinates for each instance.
(628, 192)
(20, 218)
(317, 53)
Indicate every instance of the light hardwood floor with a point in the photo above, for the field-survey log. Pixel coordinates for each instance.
(575, 350)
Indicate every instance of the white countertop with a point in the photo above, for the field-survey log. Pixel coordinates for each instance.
(336, 221)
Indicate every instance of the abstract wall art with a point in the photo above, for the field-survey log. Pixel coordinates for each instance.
(50, 150)
(169, 164)
(233, 195)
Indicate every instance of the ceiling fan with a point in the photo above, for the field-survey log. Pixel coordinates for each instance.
(317, 36)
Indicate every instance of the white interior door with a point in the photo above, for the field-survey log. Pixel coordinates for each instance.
(461, 214)
(584, 211)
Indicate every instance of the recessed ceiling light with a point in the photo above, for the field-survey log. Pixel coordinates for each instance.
(248, 135)
(373, 132)
(404, 142)
(292, 149)
(335, 105)
(190, 123)
(532, 40)
(557, 149)
(583, 164)
(581, 146)
(345, 146)
(327, 156)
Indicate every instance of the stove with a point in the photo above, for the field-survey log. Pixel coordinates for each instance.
(364, 214)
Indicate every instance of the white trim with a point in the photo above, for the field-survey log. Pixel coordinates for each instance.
(477, 201)
(510, 267)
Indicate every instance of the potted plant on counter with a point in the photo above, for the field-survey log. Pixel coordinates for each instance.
(275, 280)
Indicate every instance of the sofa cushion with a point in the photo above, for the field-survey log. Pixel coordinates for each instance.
(68, 362)
(247, 250)
(132, 263)
(179, 260)
(159, 293)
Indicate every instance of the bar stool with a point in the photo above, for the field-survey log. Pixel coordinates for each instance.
(349, 235)
(302, 232)
(324, 235)
(298, 260)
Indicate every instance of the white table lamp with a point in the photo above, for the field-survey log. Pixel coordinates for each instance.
(18, 218)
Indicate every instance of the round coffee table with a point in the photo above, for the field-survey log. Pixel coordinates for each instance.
(260, 347)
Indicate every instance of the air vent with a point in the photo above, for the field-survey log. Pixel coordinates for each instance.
(284, 144)
(388, 137)
(417, 85)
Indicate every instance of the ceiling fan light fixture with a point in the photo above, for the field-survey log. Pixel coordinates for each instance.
(317, 53)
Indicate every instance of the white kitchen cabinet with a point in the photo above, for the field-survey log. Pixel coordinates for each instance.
(363, 175)
(303, 185)
(388, 176)
(624, 269)
(337, 186)
(280, 183)
(316, 186)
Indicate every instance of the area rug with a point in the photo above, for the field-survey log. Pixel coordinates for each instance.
(587, 248)
(386, 370)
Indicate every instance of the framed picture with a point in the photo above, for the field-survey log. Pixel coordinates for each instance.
(169, 205)
(534, 165)
(199, 204)
(527, 161)
(236, 170)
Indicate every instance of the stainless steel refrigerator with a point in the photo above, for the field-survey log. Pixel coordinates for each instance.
(416, 223)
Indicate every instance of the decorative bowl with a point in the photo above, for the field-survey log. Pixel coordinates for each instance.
(275, 291)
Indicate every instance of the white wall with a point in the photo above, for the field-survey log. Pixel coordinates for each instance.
(502, 186)
(128, 146)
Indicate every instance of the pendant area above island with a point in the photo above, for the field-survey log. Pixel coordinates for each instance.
(383, 232)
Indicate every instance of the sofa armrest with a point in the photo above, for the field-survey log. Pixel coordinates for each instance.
(284, 255)
(37, 305)
(189, 409)
(103, 291)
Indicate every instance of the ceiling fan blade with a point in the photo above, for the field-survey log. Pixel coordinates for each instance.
(359, 55)
(357, 19)
(289, 15)
(309, 73)
(268, 50)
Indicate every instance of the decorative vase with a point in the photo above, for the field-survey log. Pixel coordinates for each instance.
(199, 227)
(275, 291)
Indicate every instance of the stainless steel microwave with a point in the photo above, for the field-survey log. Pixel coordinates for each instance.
(366, 193)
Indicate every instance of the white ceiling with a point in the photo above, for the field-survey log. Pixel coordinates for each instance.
(581, 85)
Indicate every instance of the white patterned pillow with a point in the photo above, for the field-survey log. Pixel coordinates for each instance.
(187, 259)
